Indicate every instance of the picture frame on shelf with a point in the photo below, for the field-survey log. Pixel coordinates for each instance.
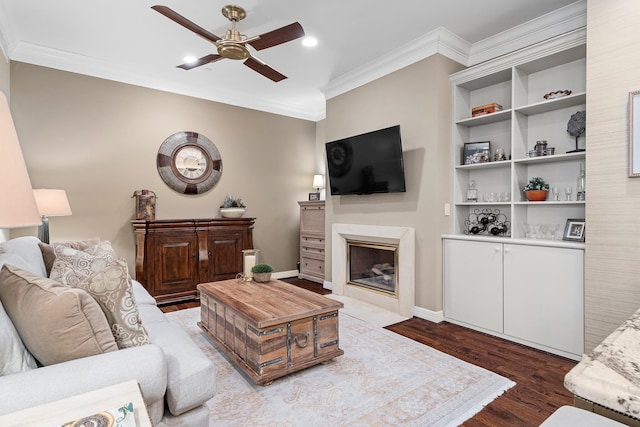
(634, 134)
(314, 197)
(574, 230)
(476, 152)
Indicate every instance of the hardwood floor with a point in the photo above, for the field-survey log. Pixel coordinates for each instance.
(538, 375)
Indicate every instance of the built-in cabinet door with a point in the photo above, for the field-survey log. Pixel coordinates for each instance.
(473, 283)
(543, 296)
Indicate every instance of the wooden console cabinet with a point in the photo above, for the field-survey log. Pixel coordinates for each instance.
(173, 256)
(312, 241)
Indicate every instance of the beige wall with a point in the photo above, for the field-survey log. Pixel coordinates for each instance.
(612, 263)
(418, 98)
(98, 140)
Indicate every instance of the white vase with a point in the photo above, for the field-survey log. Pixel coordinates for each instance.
(231, 212)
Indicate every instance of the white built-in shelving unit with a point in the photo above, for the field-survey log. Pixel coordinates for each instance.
(547, 313)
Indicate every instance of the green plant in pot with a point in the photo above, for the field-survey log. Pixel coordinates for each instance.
(232, 207)
(536, 190)
(262, 272)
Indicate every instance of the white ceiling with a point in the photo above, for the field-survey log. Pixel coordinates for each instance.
(358, 40)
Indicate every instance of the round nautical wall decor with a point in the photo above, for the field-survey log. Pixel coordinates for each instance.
(189, 163)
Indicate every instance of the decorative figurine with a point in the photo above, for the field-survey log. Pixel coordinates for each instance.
(576, 127)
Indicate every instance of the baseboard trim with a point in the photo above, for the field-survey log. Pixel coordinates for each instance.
(284, 274)
(432, 316)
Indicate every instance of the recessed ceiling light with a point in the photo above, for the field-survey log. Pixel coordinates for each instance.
(189, 59)
(309, 41)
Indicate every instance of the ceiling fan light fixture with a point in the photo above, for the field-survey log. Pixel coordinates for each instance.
(189, 59)
(309, 41)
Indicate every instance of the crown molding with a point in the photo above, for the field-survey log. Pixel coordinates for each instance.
(574, 39)
(79, 64)
(561, 21)
(439, 40)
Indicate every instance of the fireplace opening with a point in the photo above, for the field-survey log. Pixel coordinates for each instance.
(372, 266)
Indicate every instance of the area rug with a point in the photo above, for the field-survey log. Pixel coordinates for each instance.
(383, 379)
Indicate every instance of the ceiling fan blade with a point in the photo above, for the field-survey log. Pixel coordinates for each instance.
(264, 69)
(179, 19)
(279, 36)
(207, 59)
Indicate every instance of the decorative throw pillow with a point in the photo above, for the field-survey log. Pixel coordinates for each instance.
(56, 323)
(14, 357)
(49, 255)
(107, 279)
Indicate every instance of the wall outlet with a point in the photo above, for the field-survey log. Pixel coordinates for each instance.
(447, 209)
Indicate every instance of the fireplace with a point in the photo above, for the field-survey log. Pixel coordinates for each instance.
(372, 266)
(386, 241)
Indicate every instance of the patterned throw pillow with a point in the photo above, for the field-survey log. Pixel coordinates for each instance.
(49, 255)
(98, 271)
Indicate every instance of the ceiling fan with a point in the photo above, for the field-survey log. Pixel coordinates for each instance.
(234, 44)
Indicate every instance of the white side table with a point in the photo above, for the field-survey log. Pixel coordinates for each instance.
(82, 405)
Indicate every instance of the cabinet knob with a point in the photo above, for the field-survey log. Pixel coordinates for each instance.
(507, 250)
(497, 249)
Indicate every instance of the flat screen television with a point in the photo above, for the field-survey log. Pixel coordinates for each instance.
(368, 163)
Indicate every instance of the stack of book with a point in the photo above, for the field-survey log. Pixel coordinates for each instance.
(485, 109)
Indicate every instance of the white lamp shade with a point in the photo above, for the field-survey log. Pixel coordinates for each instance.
(318, 181)
(52, 202)
(18, 203)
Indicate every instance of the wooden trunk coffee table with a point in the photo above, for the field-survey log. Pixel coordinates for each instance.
(270, 329)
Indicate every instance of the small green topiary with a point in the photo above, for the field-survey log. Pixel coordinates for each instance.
(232, 202)
(536, 183)
(261, 268)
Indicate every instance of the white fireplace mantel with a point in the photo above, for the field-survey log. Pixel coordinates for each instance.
(404, 302)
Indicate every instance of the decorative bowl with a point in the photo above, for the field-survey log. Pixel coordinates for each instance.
(231, 212)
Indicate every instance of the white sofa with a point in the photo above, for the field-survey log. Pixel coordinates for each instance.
(175, 377)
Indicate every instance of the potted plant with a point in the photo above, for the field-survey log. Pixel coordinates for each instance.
(261, 272)
(232, 207)
(536, 190)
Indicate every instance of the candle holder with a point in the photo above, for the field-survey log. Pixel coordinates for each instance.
(249, 259)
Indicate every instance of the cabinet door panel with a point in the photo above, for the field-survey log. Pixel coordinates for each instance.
(226, 255)
(473, 283)
(543, 296)
(175, 259)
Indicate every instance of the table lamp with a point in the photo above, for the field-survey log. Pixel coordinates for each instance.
(50, 203)
(19, 207)
(318, 183)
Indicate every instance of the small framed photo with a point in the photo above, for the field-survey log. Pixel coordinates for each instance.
(476, 152)
(574, 230)
(314, 196)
